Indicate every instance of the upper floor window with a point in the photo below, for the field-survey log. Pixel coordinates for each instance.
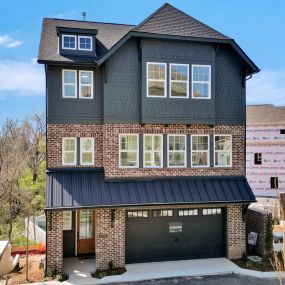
(258, 158)
(85, 43)
(156, 79)
(86, 151)
(69, 84)
(85, 84)
(69, 151)
(179, 80)
(223, 150)
(153, 146)
(200, 150)
(176, 150)
(201, 81)
(68, 42)
(129, 145)
(274, 182)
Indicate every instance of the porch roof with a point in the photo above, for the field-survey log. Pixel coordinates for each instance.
(89, 189)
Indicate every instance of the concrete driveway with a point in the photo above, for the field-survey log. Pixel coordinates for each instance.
(230, 279)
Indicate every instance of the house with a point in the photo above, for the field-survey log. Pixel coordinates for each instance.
(265, 154)
(145, 140)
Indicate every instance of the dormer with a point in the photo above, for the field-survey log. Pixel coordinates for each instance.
(74, 41)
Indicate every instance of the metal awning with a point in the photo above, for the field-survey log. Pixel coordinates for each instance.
(84, 189)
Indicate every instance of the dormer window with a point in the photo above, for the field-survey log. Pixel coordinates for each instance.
(68, 42)
(85, 43)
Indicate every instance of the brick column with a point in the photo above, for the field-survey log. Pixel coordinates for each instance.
(236, 237)
(54, 247)
(110, 238)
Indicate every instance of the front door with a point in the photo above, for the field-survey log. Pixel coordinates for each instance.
(85, 232)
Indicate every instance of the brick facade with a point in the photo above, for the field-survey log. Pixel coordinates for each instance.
(236, 236)
(107, 147)
(110, 238)
(54, 246)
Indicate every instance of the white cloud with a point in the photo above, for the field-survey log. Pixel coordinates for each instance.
(21, 78)
(7, 41)
(267, 87)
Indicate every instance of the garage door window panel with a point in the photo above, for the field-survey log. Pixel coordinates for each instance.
(137, 214)
(162, 213)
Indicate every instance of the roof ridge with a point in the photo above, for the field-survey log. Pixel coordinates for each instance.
(94, 22)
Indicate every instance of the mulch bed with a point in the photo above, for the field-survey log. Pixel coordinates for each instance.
(258, 266)
(103, 273)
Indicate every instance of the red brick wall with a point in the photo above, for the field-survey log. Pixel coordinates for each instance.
(110, 239)
(58, 131)
(54, 247)
(107, 147)
(236, 235)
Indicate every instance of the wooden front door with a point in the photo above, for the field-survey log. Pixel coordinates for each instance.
(85, 231)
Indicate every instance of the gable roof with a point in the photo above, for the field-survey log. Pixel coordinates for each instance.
(263, 115)
(166, 22)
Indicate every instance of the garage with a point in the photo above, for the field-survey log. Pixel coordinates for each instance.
(174, 234)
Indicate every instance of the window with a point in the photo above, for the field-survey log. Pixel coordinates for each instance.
(153, 146)
(282, 132)
(68, 42)
(67, 221)
(176, 150)
(212, 211)
(186, 212)
(156, 79)
(137, 214)
(179, 80)
(200, 150)
(86, 84)
(274, 182)
(86, 151)
(128, 150)
(223, 150)
(85, 224)
(69, 151)
(258, 158)
(162, 213)
(69, 84)
(85, 43)
(201, 81)
(175, 227)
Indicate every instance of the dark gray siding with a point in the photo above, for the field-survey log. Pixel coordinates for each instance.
(230, 101)
(73, 110)
(177, 110)
(122, 86)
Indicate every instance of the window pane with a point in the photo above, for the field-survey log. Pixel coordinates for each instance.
(179, 72)
(176, 159)
(128, 158)
(156, 71)
(67, 220)
(199, 142)
(201, 73)
(69, 158)
(69, 144)
(87, 144)
(85, 43)
(69, 91)
(176, 143)
(201, 90)
(69, 76)
(85, 91)
(87, 157)
(222, 158)
(179, 89)
(86, 224)
(222, 142)
(69, 42)
(200, 158)
(148, 142)
(129, 142)
(157, 142)
(156, 88)
(86, 77)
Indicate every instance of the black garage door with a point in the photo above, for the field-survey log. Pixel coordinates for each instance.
(158, 235)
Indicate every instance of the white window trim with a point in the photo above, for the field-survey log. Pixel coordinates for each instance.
(62, 42)
(208, 151)
(153, 151)
(231, 152)
(181, 81)
(75, 152)
(208, 82)
(165, 80)
(185, 151)
(80, 84)
(86, 49)
(70, 222)
(70, 84)
(81, 151)
(137, 151)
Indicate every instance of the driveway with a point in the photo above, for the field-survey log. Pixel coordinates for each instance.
(230, 279)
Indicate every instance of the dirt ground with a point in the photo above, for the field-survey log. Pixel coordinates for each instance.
(35, 273)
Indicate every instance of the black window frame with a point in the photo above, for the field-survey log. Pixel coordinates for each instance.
(274, 182)
(257, 158)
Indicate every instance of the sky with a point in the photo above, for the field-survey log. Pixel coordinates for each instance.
(256, 25)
